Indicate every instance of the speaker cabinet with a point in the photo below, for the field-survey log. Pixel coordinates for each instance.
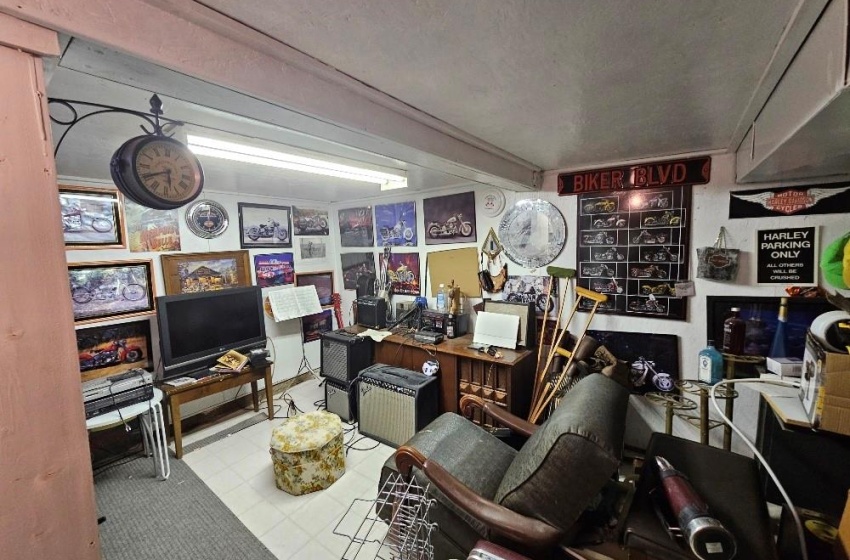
(344, 355)
(395, 403)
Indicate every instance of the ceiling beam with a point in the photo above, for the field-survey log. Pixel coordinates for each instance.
(189, 38)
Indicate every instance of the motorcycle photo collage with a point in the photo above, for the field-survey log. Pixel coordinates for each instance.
(633, 246)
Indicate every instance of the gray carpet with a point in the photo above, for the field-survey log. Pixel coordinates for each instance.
(247, 423)
(178, 519)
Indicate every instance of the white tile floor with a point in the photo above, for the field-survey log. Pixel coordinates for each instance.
(238, 469)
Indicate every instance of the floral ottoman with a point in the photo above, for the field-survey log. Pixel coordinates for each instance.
(308, 452)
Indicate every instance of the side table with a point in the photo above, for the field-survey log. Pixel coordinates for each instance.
(731, 363)
(703, 421)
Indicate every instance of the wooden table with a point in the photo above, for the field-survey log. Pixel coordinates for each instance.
(175, 396)
(507, 381)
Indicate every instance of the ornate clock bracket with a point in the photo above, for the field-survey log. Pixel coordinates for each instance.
(159, 125)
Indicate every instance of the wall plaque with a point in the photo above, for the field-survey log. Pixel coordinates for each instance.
(670, 173)
(787, 256)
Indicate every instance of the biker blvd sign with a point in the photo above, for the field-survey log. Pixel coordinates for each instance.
(671, 173)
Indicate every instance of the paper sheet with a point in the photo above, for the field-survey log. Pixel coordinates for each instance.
(377, 336)
(292, 303)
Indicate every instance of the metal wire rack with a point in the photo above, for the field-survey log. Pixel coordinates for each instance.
(393, 526)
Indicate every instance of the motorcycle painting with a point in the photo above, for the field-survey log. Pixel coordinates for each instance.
(403, 273)
(91, 217)
(450, 219)
(653, 358)
(107, 350)
(101, 290)
(529, 288)
(265, 226)
(395, 224)
(309, 221)
(355, 227)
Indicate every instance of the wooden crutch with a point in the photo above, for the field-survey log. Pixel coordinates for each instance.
(555, 273)
(549, 389)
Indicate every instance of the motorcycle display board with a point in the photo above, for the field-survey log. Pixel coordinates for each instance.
(265, 226)
(403, 272)
(634, 246)
(450, 219)
(309, 221)
(355, 227)
(653, 358)
(395, 224)
(529, 288)
(107, 350)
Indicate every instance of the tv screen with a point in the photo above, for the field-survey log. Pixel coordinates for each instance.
(195, 329)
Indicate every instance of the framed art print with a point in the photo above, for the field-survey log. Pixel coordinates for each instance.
(449, 219)
(264, 226)
(323, 280)
(312, 326)
(107, 290)
(310, 221)
(395, 224)
(274, 270)
(355, 227)
(355, 265)
(110, 349)
(150, 230)
(92, 218)
(186, 273)
(403, 272)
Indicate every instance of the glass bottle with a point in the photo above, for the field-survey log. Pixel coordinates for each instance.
(441, 298)
(451, 324)
(710, 364)
(778, 349)
(734, 333)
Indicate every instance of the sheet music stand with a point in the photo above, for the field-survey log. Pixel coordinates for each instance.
(296, 303)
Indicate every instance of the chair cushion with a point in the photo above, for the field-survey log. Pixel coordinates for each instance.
(570, 457)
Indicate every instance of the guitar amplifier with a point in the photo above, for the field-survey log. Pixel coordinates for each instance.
(372, 312)
(341, 400)
(395, 403)
(344, 355)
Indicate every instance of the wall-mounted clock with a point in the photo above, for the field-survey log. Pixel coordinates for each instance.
(157, 172)
(207, 219)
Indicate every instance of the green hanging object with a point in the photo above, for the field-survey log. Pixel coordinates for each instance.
(835, 262)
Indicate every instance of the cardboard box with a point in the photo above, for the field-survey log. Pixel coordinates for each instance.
(785, 367)
(825, 388)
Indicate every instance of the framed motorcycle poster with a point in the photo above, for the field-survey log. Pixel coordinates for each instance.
(110, 349)
(633, 246)
(264, 226)
(101, 290)
(395, 224)
(310, 221)
(355, 227)
(92, 218)
(653, 358)
(529, 288)
(403, 272)
(450, 219)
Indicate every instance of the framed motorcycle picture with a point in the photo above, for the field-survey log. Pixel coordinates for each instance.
(264, 226)
(92, 218)
(450, 219)
(633, 246)
(310, 221)
(110, 349)
(653, 358)
(395, 224)
(107, 290)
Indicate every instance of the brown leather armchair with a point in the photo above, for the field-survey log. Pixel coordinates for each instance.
(529, 499)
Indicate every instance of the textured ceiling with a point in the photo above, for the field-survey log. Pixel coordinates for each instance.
(560, 83)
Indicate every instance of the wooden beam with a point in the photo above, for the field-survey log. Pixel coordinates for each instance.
(27, 37)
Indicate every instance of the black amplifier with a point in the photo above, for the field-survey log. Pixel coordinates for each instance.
(372, 312)
(344, 355)
(107, 404)
(437, 321)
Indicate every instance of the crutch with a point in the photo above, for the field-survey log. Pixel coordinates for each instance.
(549, 389)
(555, 273)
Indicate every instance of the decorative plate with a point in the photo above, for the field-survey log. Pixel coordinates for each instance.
(207, 219)
(494, 202)
(533, 233)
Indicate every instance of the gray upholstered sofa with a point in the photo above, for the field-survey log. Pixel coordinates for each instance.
(529, 499)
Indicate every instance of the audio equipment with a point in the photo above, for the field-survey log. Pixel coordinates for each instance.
(427, 337)
(341, 400)
(115, 401)
(116, 384)
(437, 321)
(395, 403)
(344, 355)
(372, 312)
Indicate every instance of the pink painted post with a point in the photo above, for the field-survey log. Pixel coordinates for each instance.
(46, 488)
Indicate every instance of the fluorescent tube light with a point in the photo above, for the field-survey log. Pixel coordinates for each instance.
(260, 156)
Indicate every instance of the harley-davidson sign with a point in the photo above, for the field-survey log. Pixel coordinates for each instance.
(672, 173)
(817, 199)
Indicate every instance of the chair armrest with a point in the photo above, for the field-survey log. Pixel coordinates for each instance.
(519, 528)
(515, 423)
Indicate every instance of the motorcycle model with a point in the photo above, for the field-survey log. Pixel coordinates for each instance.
(453, 227)
(666, 219)
(608, 255)
(600, 238)
(535, 297)
(643, 368)
(609, 287)
(118, 351)
(646, 238)
(651, 271)
(85, 294)
(271, 229)
(662, 254)
(600, 206)
(647, 306)
(659, 290)
(610, 222)
(597, 270)
(400, 231)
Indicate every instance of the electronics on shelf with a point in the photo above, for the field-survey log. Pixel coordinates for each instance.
(104, 395)
(428, 337)
(372, 312)
(437, 321)
(344, 354)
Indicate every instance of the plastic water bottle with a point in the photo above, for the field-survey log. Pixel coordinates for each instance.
(441, 298)
(710, 364)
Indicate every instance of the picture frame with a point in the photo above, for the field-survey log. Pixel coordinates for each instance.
(395, 224)
(324, 282)
(450, 219)
(356, 227)
(110, 349)
(355, 265)
(186, 273)
(310, 221)
(654, 362)
(92, 217)
(403, 272)
(111, 289)
(265, 226)
(276, 269)
(150, 230)
(312, 326)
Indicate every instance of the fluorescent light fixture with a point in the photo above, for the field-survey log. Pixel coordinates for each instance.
(260, 156)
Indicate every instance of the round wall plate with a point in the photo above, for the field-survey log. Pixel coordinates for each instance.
(533, 233)
(207, 219)
(494, 202)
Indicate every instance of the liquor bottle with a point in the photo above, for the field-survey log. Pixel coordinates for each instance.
(734, 332)
(777, 349)
(441, 298)
(710, 364)
(451, 324)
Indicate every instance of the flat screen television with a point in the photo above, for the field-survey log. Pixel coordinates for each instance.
(195, 329)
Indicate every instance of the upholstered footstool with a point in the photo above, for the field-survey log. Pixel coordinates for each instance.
(308, 452)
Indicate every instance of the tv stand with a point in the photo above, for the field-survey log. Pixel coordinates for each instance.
(206, 386)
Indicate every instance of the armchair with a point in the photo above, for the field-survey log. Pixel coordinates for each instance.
(529, 498)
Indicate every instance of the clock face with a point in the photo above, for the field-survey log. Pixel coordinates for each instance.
(207, 219)
(167, 170)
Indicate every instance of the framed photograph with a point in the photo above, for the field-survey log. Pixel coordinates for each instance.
(395, 224)
(92, 218)
(265, 226)
(101, 290)
(312, 326)
(186, 273)
(309, 221)
(403, 272)
(274, 270)
(529, 288)
(110, 349)
(323, 280)
(653, 358)
(449, 219)
(355, 227)
(150, 230)
(313, 248)
(355, 265)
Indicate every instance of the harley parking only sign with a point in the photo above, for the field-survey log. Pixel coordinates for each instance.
(787, 256)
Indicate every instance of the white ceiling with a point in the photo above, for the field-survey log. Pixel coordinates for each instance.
(558, 83)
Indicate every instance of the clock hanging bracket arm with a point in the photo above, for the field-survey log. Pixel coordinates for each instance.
(159, 125)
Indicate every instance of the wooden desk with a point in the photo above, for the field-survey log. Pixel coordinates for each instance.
(508, 381)
(175, 396)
